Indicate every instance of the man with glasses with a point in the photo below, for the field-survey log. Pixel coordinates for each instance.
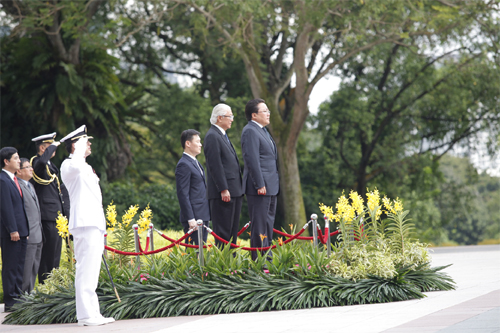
(35, 240)
(260, 177)
(225, 191)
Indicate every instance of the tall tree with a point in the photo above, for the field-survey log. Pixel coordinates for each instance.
(57, 74)
(302, 41)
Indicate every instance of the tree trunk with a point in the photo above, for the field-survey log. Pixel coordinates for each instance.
(290, 200)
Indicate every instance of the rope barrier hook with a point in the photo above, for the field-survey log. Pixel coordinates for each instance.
(327, 237)
(135, 227)
(105, 244)
(314, 219)
(200, 242)
(151, 236)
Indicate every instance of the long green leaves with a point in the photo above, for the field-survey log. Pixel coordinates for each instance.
(243, 291)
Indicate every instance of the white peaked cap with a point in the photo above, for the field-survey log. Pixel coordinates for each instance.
(80, 132)
(45, 137)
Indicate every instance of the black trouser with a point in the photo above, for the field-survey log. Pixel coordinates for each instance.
(13, 254)
(226, 218)
(262, 211)
(51, 250)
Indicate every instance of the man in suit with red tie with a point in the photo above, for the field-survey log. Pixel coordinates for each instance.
(225, 191)
(191, 186)
(260, 177)
(14, 228)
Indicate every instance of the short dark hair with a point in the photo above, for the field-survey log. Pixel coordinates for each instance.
(252, 107)
(23, 160)
(187, 135)
(69, 146)
(6, 154)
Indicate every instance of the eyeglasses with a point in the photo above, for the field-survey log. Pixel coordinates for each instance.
(26, 167)
(230, 117)
(265, 111)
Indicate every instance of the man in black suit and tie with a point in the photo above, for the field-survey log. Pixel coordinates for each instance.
(35, 240)
(225, 191)
(260, 177)
(50, 192)
(14, 229)
(191, 187)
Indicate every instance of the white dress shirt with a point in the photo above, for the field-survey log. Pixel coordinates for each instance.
(11, 175)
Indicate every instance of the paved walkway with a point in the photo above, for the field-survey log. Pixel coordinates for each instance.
(473, 308)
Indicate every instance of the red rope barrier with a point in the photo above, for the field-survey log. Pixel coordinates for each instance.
(302, 238)
(290, 237)
(281, 233)
(320, 234)
(245, 227)
(181, 244)
(256, 248)
(150, 252)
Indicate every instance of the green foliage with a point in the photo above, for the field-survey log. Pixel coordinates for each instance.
(296, 276)
(400, 230)
(60, 278)
(162, 200)
(360, 261)
(175, 285)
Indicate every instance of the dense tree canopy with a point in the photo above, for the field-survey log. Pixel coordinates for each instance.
(418, 78)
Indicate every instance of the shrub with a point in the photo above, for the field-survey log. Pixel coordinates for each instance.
(162, 200)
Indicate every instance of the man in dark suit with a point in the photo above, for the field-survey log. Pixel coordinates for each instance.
(14, 228)
(225, 191)
(53, 198)
(191, 187)
(35, 240)
(260, 177)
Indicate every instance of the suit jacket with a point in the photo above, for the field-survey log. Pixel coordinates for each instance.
(223, 166)
(84, 190)
(48, 195)
(261, 161)
(191, 190)
(32, 209)
(13, 217)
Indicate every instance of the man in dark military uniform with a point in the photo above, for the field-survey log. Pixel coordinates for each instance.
(53, 198)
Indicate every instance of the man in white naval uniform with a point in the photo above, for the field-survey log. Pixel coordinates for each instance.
(87, 225)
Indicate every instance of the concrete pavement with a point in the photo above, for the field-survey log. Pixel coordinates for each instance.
(473, 307)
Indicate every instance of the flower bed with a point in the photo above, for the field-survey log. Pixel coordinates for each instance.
(375, 261)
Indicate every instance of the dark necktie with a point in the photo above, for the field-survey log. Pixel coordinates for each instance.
(227, 138)
(32, 190)
(268, 136)
(267, 133)
(199, 166)
(18, 187)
